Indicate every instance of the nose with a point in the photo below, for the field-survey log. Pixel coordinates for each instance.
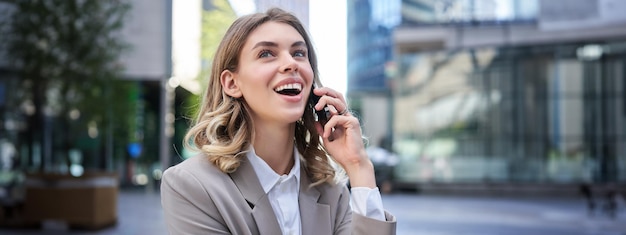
(290, 65)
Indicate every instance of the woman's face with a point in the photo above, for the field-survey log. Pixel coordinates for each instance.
(274, 75)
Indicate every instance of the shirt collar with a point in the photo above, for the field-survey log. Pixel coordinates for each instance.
(268, 177)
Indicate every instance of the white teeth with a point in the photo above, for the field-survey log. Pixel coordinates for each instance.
(296, 86)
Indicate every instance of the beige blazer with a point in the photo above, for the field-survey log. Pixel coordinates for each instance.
(197, 198)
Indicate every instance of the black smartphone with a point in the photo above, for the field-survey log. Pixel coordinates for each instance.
(322, 115)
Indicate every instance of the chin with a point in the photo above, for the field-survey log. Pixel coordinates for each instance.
(293, 117)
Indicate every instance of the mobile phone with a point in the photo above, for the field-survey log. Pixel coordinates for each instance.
(322, 115)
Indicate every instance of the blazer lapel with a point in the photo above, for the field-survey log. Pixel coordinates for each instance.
(315, 217)
(246, 180)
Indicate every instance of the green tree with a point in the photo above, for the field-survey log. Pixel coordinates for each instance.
(215, 21)
(65, 54)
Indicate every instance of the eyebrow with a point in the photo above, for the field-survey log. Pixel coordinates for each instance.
(273, 44)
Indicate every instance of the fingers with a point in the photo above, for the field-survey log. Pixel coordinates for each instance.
(337, 126)
(340, 120)
(321, 91)
(333, 99)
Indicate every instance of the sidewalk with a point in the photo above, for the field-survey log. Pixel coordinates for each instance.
(140, 213)
(450, 215)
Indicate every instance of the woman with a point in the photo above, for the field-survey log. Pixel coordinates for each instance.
(263, 167)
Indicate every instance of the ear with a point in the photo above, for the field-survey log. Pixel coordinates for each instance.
(229, 84)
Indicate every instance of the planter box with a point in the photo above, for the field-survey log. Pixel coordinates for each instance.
(88, 201)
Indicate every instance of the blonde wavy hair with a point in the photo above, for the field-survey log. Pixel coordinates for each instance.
(223, 129)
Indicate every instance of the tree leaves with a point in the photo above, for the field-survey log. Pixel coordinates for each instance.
(65, 54)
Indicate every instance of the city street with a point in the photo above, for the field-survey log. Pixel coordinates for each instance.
(140, 213)
(447, 215)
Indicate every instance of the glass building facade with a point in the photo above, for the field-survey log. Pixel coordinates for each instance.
(467, 12)
(541, 112)
(370, 46)
(370, 57)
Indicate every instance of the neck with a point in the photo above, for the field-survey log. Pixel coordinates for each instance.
(275, 146)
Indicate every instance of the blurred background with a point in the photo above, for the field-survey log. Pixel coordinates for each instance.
(483, 116)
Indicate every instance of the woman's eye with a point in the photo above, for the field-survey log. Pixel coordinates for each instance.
(265, 53)
(299, 54)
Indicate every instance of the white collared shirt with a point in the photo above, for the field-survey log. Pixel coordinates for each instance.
(283, 191)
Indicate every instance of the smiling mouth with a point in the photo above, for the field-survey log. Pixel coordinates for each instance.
(289, 89)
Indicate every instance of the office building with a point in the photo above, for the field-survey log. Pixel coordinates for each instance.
(510, 91)
(370, 59)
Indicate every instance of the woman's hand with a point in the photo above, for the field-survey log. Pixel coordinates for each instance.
(342, 138)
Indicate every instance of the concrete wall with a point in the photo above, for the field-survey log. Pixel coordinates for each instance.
(146, 30)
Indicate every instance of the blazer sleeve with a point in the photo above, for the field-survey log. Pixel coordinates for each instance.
(365, 225)
(353, 223)
(187, 206)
